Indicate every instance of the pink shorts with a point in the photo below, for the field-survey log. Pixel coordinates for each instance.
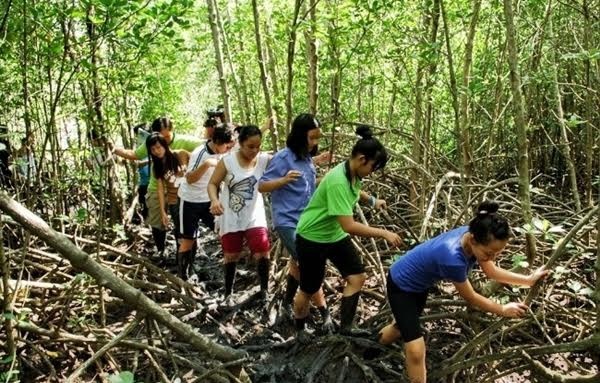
(256, 237)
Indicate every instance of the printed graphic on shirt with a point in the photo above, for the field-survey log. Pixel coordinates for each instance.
(240, 192)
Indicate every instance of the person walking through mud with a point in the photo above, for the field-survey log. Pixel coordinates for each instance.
(194, 203)
(325, 227)
(291, 179)
(168, 167)
(449, 256)
(164, 126)
(241, 207)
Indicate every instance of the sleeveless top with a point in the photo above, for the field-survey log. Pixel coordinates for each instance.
(243, 205)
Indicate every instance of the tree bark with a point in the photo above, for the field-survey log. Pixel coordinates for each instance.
(291, 49)
(212, 18)
(565, 145)
(106, 278)
(263, 73)
(234, 76)
(421, 125)
(312, 55)
(520, 124)
(465, 121)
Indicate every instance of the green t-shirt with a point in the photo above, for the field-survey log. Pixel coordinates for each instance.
(334, 197)
(179, 141)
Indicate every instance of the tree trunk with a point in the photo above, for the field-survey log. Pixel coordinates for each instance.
(312, 58)
(291, 48)
(234, 76)
(465, 121)
(108, 172)
(462, 145)
(106, 278)
(565, 145)
(589, 108)
(420, 132)
(520, 124)
(212, 18)
(263, 73)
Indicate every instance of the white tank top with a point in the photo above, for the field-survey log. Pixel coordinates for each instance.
(243, 205)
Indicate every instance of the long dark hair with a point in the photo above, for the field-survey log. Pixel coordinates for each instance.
(370, 147)
(170, 163)
(161, 123)
(488, 225)
(297, 140)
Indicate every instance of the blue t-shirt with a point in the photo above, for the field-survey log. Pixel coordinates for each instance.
(144, 175)
(289, 201)
(440, 258)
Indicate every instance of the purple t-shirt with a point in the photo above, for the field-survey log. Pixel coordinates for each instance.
(289, 201)
(440, 258)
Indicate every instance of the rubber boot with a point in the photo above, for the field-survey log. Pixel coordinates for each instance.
(347, 313)
(229, 277)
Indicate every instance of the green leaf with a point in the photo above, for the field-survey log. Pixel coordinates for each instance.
(123, 377)
(9, 316)
(7, 359)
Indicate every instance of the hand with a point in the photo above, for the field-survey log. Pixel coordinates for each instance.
(216, 208)
(165, 219)
(323, 158)
(392, 238)
(538, 274)
(513, 310)
(292, 176)
(380, 204)
(211, 162)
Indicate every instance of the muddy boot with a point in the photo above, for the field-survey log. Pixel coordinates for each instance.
(302, 336)
(188, 261)
(181, 269)
(376, 350)
(347, 313)
(328, 326)
(263, 274)
(229, 277)
(160, 238)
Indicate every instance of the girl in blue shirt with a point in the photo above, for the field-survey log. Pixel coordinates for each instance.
(449, 256)
(290, 177)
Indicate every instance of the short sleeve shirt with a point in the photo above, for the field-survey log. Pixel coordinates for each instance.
(440, 258)
(179, 141)
(334, 197)
(197, 192)
(288, 202)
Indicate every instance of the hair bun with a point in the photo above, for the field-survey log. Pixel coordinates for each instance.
(487, 208)
(364, 132)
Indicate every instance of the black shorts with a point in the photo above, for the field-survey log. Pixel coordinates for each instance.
(190, 215)
(312, 257)
(407, 308)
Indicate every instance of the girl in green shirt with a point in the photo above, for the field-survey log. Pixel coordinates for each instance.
(326, 224)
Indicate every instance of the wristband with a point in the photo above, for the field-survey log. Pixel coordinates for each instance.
(372, 201)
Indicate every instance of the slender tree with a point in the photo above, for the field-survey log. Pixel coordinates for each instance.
(520, 124)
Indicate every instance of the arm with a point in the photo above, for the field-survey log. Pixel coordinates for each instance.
(504, 276)
(350, 226)
(128, 154)
(194, 175)
(161, 201)
(216, 208)
(511, 310)
(372, 201)
(269, 186)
